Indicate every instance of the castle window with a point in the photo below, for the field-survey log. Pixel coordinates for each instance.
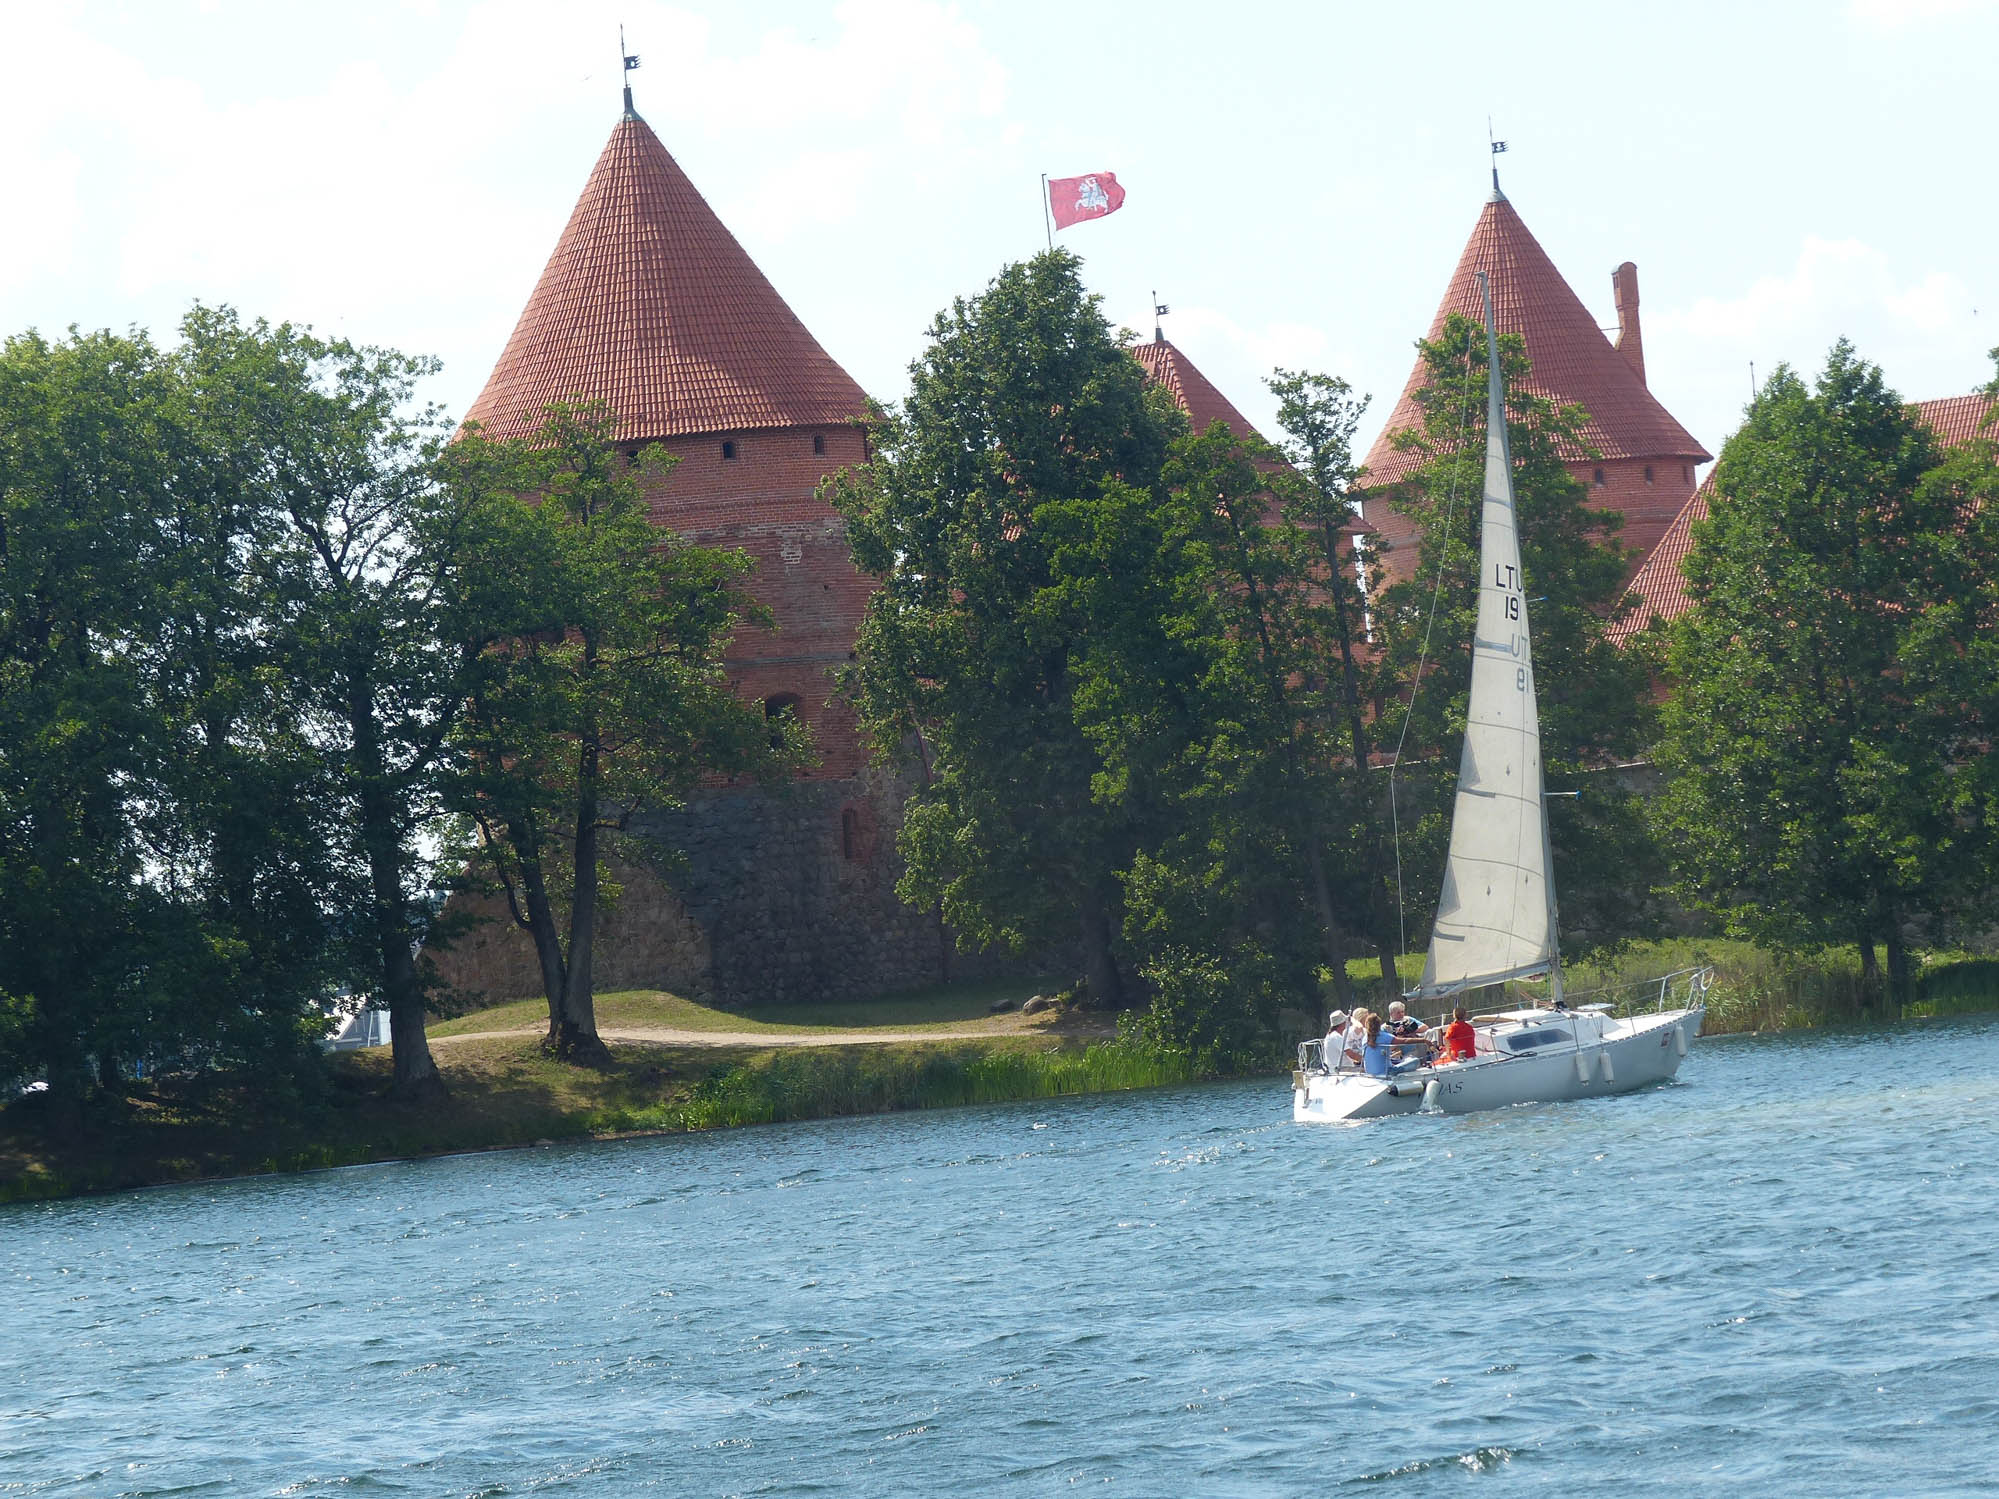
(1648, 473)
(1687, 473)
(728, 450)
(850, 833)
(818, 443)
(1597, 479)
(777, 709)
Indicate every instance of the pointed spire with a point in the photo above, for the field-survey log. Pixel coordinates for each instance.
(630, 61)
(650, 305)
(1572, 360)
(1191, 390)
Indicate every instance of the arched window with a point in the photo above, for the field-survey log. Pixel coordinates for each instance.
(818, 443)
(1648, 473)
(1597, 479)
(728, 450)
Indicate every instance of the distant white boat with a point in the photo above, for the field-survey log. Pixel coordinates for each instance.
(1496, 916)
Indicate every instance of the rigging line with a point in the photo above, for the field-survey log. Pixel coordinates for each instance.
(1423, 656)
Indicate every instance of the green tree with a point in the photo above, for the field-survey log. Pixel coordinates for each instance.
(359, 526)
(1822, 741)
(1318, 415)
(969, 648)
(1594, 698)
(599, 692)
(168, 885)
(1187, 686)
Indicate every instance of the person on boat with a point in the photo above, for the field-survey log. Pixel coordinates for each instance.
(1334, 1046)
(1405, 1026)
(1377, 1055)
(1460, 1040)
(1356, 1037)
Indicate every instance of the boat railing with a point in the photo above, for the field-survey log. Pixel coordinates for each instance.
(1682, 989)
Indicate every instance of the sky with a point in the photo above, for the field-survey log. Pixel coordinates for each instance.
(1300, 178)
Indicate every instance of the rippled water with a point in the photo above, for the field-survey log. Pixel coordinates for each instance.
(1778, 1276)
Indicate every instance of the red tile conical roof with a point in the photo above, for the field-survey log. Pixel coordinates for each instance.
(1194, 392)
(650, 305)
(1572, 360)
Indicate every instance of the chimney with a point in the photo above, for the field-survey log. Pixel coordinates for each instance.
(1624, 280)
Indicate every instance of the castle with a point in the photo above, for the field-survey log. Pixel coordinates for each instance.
(650, 305)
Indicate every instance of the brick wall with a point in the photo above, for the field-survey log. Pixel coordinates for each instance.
(1647, 505)
(761, 500)
(777, 897)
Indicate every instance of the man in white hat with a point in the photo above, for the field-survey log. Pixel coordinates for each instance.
(1336, 1040)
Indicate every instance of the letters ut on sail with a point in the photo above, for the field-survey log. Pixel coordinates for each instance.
(1496, 915)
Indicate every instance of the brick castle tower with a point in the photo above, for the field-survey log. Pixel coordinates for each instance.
(1645, 467)
(650, 305)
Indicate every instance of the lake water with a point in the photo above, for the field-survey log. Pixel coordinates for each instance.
(1778, 1276)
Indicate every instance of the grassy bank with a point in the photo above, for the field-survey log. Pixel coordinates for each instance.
(1758, 990)
(504, 1093)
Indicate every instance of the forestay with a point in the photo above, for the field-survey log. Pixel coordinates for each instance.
(1496, 915)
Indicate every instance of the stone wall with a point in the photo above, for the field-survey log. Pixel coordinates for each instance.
(783, 897)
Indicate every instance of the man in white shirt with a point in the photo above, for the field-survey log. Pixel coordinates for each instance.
(1335, 1042)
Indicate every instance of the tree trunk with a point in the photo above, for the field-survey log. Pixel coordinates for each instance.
(575, 1038)
(1900, 982)
(1870, 972)
(1329, 926)
(1099, 966)
(415, 1074)
(526, 840)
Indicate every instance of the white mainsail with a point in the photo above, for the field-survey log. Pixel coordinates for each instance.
(1496, 915)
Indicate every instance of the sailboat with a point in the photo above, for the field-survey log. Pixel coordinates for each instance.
(1496, 916)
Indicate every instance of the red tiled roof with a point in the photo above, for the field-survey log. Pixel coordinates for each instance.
(650, 305)
(1661, 585)
(1957, 419)
(1572, 360)
(1192, 389)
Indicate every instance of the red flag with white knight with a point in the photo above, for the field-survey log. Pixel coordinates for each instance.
(1073, 199)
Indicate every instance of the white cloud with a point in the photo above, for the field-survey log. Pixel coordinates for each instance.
(1834, 284)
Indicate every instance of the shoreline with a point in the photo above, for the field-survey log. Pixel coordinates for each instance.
(506, 1097)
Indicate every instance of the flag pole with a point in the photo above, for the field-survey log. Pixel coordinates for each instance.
(1046, 222)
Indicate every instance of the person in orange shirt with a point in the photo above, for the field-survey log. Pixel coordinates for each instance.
(1460, 1040)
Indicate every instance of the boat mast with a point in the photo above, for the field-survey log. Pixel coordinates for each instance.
(1496, 432)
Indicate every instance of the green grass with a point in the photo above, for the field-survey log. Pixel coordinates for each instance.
(963, 1007)
(818, 1084)
(1759, 990)
(505, 1093)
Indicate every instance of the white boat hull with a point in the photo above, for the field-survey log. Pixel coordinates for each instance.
(1594, 1055)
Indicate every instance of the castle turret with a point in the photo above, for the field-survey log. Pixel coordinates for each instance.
(1644, 460)
(650, 305)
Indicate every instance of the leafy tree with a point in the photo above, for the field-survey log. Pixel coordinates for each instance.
(1827, 735)
(1318, 415)
(169, 894)
(359, 526)
(599, 691)
(1024, 398)
(81, 471)
(1186, 687)
(1594, 698)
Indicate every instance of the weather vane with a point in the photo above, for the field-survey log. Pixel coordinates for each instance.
(631, 61)
(1497, 147)
(1159, 310)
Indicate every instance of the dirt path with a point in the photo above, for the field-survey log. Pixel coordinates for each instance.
(666, 1036)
